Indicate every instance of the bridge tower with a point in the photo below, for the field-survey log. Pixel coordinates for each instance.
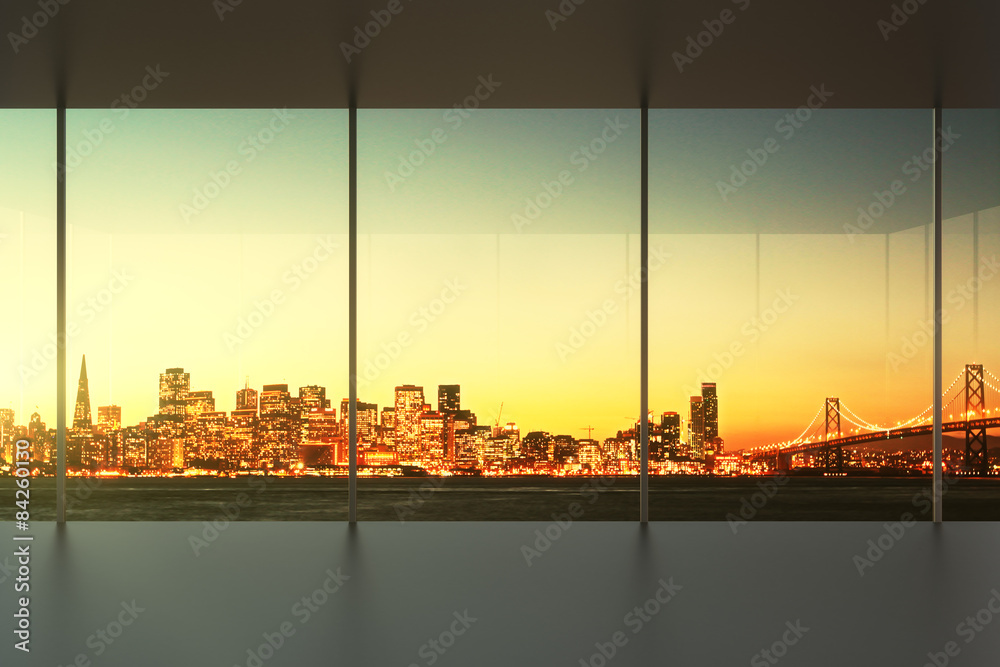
(832, 456)
(976, 452)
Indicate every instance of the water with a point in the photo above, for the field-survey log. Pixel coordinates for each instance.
(678, 498)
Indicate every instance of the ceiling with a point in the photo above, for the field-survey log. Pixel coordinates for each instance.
(599, 54)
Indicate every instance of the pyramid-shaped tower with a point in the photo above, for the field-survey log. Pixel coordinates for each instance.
(81, 415)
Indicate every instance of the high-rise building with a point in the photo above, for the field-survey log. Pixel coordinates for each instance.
(7, 434)
(409, 406)
(41, 444)
(279, 426)
(449, 398)
(696, 428)
(246, 398)
(196, 403)
(174, 387)
(109, 418)
(80, 439)
(711, 402)
(134, 442)
(535, 446)
(367, 423)
(313, 397)
(669, 437)
(165, 444)
(433, 437)
(323, 443)
(209, 431)
(81, 414)
(245, 437)
(387, 428)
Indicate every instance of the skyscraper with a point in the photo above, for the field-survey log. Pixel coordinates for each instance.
(669, 437)
(367, 423)
(246, 398)
(7, 434)
(409, 407)
(449, 398)
(109, 418)
(80, 439)
(696, 429)
(174, 387)
(41, 446)
(313, 397)
(196, 403)
(81, 414)
(711, 402)
(279, 425)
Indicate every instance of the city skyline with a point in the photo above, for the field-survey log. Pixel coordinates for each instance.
(542, 315)
(273, 429)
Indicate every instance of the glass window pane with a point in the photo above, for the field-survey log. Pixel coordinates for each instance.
(28, 337)
(498, 313)
(971, 302)
(798, 259)
(208, 296)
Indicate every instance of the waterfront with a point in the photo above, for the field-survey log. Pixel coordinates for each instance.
(676, 498)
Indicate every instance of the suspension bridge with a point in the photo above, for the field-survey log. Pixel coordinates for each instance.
(825, 436)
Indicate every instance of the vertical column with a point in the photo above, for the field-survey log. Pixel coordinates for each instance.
(352, 317)
(61, 311)
(644, 314)
(938, 348)
(975, 293)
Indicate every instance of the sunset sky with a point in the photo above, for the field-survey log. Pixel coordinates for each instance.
(455, 287)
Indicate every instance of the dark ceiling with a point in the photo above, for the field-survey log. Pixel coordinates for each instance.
(253, 53)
